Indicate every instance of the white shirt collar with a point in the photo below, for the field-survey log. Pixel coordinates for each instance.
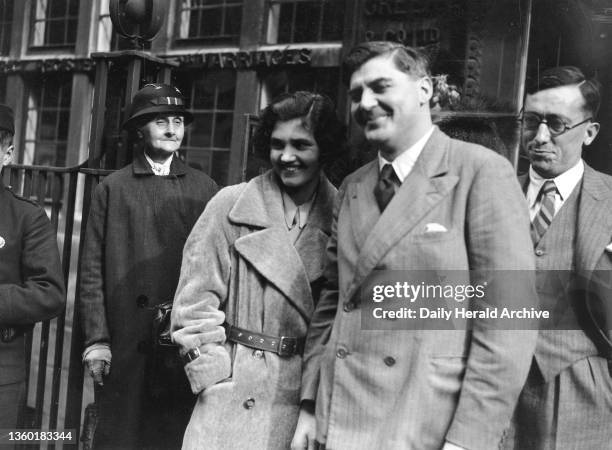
(406, 160)
(160, 169)
(292, 211)
(565, 182)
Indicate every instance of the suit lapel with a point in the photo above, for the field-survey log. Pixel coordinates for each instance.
(594, 220)
(269, 249)
(425, 186)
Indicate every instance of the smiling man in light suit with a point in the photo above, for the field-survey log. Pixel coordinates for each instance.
(427, 202)
(567, 399)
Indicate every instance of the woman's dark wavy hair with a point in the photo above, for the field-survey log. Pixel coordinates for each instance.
(319, 117)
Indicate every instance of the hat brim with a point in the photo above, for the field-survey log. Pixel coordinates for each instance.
(150, 113)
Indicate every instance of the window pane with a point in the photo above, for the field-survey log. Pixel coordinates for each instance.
(226, 91)
(47, 121)
(223, 130)
(64, 122)
(204, 95)
(333, 21)
(54, 22)
(285, 22)
(212, 21)
(47, 126)
(216, 20)
(201, 130)
(56, 9)
(305, 21)
(307, 27)
(233, 19)
(220, 167)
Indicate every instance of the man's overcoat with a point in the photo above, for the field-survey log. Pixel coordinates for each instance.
(240, 258)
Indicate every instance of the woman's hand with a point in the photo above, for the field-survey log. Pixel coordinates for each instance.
(198, 326)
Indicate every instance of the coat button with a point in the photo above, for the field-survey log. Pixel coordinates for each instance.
(257, 354)
(349, 306)
(249, 403)
(341, 353)
(539, 252)
(142, 301)
(389, 360)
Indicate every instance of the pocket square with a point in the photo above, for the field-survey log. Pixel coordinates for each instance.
(609, 247)
(435, 228)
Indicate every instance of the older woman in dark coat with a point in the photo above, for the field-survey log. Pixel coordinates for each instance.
(257, 253)
(139, 220)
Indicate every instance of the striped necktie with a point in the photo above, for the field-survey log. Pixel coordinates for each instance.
(545, 215)
(388, 182)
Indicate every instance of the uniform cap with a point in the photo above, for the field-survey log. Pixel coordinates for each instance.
(154, 99)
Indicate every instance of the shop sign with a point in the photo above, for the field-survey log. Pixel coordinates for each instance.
(247, 60)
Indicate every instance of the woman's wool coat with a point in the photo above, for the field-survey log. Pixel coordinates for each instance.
(138, 224)
(240, 258)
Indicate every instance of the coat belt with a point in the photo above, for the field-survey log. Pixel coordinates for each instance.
(282, 345)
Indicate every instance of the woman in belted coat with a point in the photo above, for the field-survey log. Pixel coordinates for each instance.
(257, 254)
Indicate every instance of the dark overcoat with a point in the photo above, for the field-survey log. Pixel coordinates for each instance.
(138, 224)
(31, 280)
(240, 258)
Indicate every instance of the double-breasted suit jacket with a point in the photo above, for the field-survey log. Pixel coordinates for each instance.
(413, 389)
(240, 258)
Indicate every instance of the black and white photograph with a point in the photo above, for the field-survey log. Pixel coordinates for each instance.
(306, 224)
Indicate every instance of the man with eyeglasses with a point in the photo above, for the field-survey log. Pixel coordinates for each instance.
(567, 399)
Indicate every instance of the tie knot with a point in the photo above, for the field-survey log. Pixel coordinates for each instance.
(388, 174)
(549, 187)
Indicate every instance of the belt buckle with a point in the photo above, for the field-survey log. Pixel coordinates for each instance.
(287, 346)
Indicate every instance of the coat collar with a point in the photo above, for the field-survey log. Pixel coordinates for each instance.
(422, 190)
(261, 204)
(269, 249)
(141, 167)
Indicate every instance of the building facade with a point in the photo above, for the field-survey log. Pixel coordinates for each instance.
(230, 57)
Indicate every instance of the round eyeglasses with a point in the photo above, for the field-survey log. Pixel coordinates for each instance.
(556, 126)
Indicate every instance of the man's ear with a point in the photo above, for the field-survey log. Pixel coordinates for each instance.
(425, 90)
(7, 158)
(591, 133)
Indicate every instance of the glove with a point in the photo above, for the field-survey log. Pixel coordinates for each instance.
(97, 358)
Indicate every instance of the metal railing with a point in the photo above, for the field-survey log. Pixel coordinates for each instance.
(55, 372)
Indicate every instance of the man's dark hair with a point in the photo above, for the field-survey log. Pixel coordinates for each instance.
(567, 76)
(319, 117)
(407, 59)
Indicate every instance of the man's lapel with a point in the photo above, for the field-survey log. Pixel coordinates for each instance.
(425, 186)
(594, 220)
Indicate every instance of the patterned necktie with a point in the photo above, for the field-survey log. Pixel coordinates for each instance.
(545, 215)
(388, 182)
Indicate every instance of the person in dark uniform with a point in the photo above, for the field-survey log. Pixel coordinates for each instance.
(31, 280)
(139, 220)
